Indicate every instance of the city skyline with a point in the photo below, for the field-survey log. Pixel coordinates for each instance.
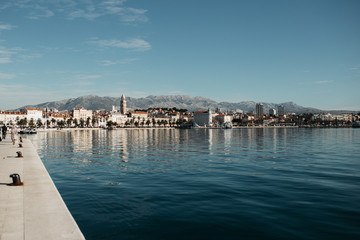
(305, 52)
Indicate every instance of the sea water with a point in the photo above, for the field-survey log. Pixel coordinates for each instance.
(256, 183)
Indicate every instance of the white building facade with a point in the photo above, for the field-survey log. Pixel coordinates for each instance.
(34, 113)
(203, 118)
(81, 113)
(11, 117)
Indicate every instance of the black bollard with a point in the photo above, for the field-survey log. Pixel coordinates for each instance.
(19, 154)
(20, 145)
(16, 180)
(21, 139)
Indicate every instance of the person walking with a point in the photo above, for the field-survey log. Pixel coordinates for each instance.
(4, 130)
(14, 134)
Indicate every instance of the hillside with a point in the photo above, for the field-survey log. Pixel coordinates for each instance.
(93, 102)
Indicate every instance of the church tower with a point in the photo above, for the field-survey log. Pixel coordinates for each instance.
(123, 109)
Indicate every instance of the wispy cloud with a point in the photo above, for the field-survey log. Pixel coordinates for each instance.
(5, 60)
(86, 9)
(115, 7)
(136, 44)
(9, 55)
(6, 76)
(85, 77)
(84, 83)
(355, 68)
(27, 57)
(324, 82)
(176, 92)
(321, 82)
(40, 13)
(122, 61)
(5, 26)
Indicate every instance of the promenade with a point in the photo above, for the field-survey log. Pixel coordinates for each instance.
(34, 211)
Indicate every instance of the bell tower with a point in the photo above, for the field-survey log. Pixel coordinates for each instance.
(123, 109)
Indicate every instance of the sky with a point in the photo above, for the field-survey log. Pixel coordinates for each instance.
(276, 51)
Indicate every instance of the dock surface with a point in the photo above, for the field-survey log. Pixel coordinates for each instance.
(36, 210)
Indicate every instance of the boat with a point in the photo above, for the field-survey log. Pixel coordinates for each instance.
(356, 124)
(28, 131)
(227, 125)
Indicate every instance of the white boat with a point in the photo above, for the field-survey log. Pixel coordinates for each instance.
(28, 131)
(227, 125)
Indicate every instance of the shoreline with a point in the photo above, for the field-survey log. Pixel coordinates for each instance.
(169, 128)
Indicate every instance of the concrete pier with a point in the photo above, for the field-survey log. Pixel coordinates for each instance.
(34, 211)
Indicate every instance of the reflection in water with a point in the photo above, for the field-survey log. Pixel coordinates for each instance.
(208, 183)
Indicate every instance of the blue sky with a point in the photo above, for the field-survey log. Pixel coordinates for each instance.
(304, 51)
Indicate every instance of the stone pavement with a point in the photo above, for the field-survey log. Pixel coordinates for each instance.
(34, 211)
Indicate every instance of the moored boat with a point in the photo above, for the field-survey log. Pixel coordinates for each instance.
(356, 124)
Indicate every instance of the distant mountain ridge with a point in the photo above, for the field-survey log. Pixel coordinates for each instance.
(93, 102)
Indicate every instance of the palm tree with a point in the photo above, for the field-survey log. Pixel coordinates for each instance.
(93, 121)
(39, 123)
(53, 121)
(69, 121)
(88, 121)
(61, 123)
(23, 122)
(31, 123)
(110, 123)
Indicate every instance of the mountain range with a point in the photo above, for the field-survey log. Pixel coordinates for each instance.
(93, 102)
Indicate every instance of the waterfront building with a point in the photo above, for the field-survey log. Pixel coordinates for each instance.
(223, 118)
(123, 109)
(272, 112)
(113, 109)
(330, 117)
(11, 117)
(174, 116)
(57, 116)
(118, 118)
(259, 111)
(81, 113)
(203, 118)
(139, 114)
(281, 110)
(34, 113)
(100, 119)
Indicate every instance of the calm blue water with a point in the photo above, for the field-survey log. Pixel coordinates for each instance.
(208, 184)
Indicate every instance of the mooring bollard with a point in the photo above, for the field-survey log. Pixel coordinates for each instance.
(21, 139)
(19, 154)
(20, 145)
(16, 180)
